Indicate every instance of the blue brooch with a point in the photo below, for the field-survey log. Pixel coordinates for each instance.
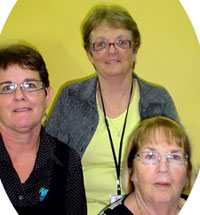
(43, 192)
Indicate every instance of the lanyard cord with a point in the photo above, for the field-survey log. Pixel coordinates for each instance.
(117, 164)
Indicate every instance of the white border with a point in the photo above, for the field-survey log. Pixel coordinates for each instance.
(192, 205)
(5, 8)
(6, 208)
(192, 8)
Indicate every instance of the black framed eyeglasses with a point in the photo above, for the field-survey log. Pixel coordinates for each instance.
(119, 44)
(27, 86)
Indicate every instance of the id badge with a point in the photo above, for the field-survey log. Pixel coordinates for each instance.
(114, 198)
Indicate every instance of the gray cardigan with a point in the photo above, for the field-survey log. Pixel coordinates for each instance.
(75, 117)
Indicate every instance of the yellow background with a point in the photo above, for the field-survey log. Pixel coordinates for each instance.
(169, 54)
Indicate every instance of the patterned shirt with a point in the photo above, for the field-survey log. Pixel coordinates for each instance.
(55, 183)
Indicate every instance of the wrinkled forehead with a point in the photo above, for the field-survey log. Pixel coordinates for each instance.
(105, 27)
(161, 136)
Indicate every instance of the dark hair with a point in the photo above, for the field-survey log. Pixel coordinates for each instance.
(143, 134)
(115, 16)
(25, 57)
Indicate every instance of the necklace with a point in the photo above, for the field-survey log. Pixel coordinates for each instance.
(119, 131)
(138, 207)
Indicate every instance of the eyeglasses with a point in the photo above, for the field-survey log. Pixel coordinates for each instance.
(119, 44)
(27, 86)
(177, 158)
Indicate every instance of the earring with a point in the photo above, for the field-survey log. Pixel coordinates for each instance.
(45, 118)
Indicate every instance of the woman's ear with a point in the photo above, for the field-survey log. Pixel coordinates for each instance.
(131, 174)
(49, 93)
(90, 56)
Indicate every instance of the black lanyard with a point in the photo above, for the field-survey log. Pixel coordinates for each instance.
(117, 164)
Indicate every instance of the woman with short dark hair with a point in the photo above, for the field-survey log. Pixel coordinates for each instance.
(40, 174)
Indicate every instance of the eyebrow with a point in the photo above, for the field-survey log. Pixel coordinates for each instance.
(117, 38)
(171, 151)
(176, 150)
(31, 79)
(25, 80)
(150, 148)
(7, 82)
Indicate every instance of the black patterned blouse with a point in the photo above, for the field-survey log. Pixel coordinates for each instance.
(55, 186)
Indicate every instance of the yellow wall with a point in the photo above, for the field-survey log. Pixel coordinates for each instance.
(169, 55)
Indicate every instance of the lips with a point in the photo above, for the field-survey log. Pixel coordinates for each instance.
(112, 61)
(22, 109)
(162, 184)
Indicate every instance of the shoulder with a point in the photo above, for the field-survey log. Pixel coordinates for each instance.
(62, 151)
(117, 208)
(155, 100)
(148, 88)
(184, 196)
(79, 92)
(152, 89)
(81, 85)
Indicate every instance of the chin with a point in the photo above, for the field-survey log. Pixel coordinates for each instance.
(26, 126)
(115, 73)
(162, 198)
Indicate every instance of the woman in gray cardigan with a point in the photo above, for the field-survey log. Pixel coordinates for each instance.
(96, 116)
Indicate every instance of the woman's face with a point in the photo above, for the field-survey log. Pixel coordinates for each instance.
(20, 111)
(162, 182)
(112, 62)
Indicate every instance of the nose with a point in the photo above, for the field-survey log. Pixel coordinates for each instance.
(19, 93)
(163, 165)
(112, 48)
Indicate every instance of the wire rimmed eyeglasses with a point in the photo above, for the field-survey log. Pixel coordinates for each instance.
(119, 44)
(177, 158)
(26, 86)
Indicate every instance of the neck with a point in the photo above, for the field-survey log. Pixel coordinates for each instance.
(115, 93)
(152, 208)
(22, 148)
(157, 208)
(18, 142)
(115, 86)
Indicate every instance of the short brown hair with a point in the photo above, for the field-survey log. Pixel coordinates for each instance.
(26, 57)
(115, 16)
(147, 128)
